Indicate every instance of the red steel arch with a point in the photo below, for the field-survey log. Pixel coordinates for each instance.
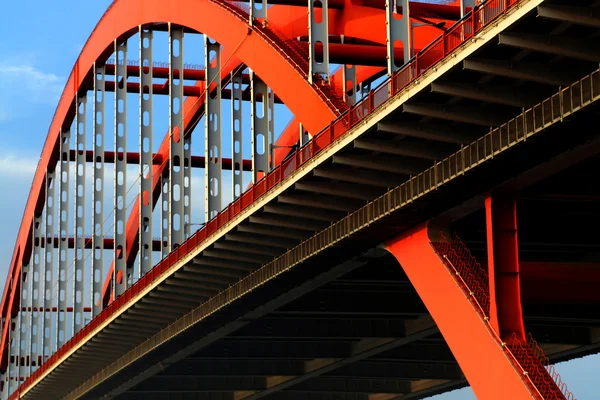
(257, 47)
(267, 53)
(289, 22)
(254, 46)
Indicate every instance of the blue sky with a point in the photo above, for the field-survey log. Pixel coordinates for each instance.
(39, 42)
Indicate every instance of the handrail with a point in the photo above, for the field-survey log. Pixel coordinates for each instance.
(528, 359)
(495, 335)
(531, 352)
(450, 40)
(155, 64)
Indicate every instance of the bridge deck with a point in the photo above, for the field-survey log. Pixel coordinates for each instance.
(218, 304)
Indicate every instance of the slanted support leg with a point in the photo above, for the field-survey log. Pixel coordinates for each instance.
(506, 314)
(485, 362)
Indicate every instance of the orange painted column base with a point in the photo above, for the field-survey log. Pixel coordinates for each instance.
(479, 352)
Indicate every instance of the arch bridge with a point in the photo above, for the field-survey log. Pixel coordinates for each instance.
(341, 199)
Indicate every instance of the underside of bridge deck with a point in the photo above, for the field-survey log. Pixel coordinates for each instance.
(366, 334)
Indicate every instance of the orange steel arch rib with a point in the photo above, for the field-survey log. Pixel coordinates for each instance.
(259, 48)
(209, 17)
(288, 22)
(317, 106)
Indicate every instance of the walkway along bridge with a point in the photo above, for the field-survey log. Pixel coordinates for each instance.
(417, 227)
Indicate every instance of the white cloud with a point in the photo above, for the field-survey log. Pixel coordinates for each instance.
(24, 88)
(31, 81)
(20, 168)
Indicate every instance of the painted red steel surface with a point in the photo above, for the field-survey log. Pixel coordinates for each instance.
(261, 55)
(506, 313)
(289, 23)
(222, 23)
(467, 288)
(420, 261)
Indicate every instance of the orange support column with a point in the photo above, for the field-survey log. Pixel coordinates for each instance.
(486, 363)
(506, 314)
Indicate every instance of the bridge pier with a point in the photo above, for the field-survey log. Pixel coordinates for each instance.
(484, 359)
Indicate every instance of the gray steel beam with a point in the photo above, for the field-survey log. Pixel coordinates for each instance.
(5, 378)
(271, 132)
(98, 191)
(363, 88)
(120, 178)
(349, 86)
(318, 32)
(213, 144)
(261, 126)
(48, 333)
(397, 30)
(187, 185)
(25, 350)
(146, 151)
(21, 327)
(13, 353)
(36, 288)
(63, 254)
(80, 204)
(164, 212)
(258, 9)
(237, 134)
(176, 178)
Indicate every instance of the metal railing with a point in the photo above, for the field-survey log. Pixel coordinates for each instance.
(541, 377)
(538, 367)
(424, 182)
(473, 276)
(499, 140)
